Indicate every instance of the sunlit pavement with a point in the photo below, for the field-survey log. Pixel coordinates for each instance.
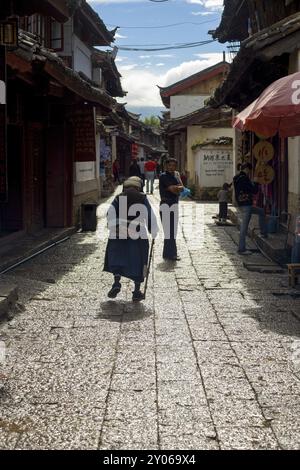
(211, 359)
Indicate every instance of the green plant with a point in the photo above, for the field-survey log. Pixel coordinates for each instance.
(196, 144)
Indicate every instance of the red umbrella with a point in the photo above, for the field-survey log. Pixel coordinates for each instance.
(277, 109)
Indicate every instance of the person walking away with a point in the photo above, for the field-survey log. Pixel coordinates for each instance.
(244, 191)
(134, 169)
(130, 219)
(141, 164)
(150, 167)
(170, 186)
(116, 169)
(223, 197)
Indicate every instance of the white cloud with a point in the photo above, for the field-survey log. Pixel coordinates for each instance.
(164, 55)
(119, 36)
(125, 68)
(203, 13)
(120, 59)
(141, 84)
(144, 56)
(209, 4)
(160, 64)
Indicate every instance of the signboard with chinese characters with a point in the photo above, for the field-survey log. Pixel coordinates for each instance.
(263, 152)
(3, 157)
(214, 166)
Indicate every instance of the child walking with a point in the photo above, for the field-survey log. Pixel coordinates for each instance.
(223, 197)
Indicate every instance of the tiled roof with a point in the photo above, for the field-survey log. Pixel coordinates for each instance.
(32, 52)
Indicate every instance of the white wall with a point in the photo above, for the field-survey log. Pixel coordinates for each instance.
(196, 133)
(82, 58)
(180, 105)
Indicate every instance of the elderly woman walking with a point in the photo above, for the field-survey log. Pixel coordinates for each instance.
(130, 219)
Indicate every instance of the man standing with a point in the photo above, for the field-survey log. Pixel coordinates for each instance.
(169, 188)
(149, 168)
(244, 191)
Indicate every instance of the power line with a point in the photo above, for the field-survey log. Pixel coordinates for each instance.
(163, 26)
(183, 46)
(163, 44)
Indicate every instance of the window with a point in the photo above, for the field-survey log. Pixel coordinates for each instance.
(36, 24)
(57, 36)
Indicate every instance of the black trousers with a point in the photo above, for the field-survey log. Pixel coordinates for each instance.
(223, 210)
(169, 220)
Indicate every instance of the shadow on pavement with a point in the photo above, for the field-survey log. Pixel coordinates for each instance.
(37, 275)
(266, 298)
(122, 311)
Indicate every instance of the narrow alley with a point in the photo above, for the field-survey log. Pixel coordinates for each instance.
(210, 360)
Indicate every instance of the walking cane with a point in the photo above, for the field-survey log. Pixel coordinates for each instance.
(148, 267)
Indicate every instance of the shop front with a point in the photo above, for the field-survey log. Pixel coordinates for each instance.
(269, 159)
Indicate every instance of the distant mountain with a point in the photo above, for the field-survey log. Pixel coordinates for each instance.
(146, 111)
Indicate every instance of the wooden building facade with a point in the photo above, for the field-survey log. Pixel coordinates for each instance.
(50, 128)
(269, 49)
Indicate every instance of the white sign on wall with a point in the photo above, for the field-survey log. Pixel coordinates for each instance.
(214, 167)
(85, 171)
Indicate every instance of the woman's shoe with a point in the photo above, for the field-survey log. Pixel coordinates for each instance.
(114, 291)
(137, 296)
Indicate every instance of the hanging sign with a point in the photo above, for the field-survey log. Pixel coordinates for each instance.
(263, 151)
(264, 174)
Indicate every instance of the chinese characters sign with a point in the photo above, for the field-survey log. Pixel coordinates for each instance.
(264, 152)
(215, 167)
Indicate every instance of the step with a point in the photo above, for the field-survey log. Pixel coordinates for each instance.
(8, 297)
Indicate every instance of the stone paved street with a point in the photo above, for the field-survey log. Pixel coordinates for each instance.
(211, 359)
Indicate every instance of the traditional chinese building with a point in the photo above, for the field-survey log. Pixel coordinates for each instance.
(268, 40)
(191, 121)
(51, 100)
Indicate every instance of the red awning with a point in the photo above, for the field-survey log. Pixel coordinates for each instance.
(277, 109)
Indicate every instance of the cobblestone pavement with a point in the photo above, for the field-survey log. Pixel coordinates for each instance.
(211, 359)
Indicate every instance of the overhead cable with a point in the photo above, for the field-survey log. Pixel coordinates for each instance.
(212, 20)
(183, 46)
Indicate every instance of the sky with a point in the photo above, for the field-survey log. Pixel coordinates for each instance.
(142, 71)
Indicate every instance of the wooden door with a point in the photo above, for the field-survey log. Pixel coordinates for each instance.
(35, 177)
(55, 194)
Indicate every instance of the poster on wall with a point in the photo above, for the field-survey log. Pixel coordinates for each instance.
(105, 156)
(215, 167)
